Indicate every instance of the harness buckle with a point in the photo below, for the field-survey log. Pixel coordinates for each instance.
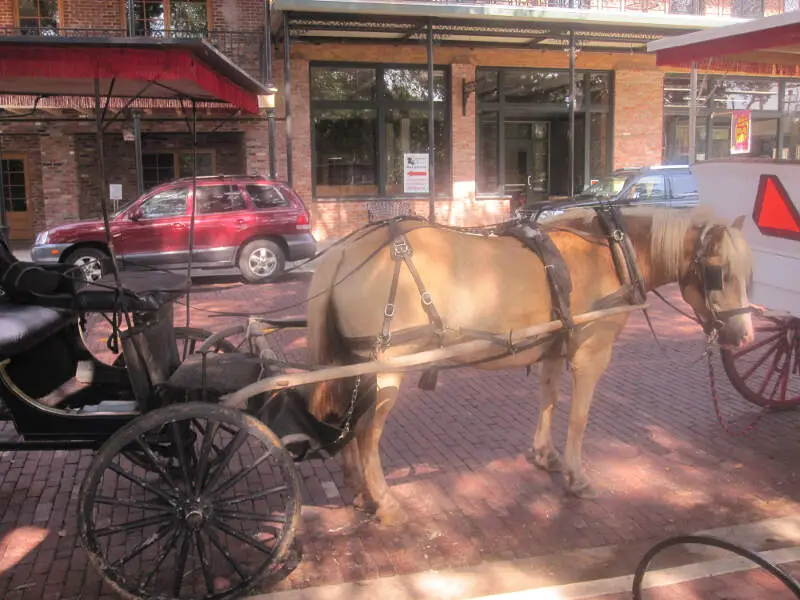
(400, 248)
(427, 299)
(618, 235)
(388, 310)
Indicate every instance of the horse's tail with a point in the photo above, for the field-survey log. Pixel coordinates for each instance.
(326, 346)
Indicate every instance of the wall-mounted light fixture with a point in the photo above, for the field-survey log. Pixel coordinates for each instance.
(268, 100)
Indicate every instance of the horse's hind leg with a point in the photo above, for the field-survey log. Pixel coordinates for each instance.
(545, 454)
(369, 437)
(588, 365)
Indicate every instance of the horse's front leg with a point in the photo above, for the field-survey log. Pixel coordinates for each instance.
(354, 477)
(369, 436)
(588, 365)
(545, 454)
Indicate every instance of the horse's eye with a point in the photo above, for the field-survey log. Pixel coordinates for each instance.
(712, 277)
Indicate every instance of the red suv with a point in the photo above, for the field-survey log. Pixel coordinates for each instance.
(243, 222)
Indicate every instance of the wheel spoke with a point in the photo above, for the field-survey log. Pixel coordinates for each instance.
(760, 362)
(148, 451)
(138, 524)
(130, 504)
(241, 537)
(158, 535)
(161, 557)
(772, 369)
(256, 496)
(226, 485)
(227, 454)
(205, 451)
(204, 564)
(177, 439)
(212, 535)
(756, 345)
(140, 482)
(250, 516)
(180, 566)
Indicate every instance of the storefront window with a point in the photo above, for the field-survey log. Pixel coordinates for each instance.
(407, 131)
(516, 101)
(717, 97)
(365, 118)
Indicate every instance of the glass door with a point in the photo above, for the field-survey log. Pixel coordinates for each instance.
(527, 157)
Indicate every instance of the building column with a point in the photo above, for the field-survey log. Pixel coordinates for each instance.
(463, 147)
(638, 117)
(256, 148)
(59, 177)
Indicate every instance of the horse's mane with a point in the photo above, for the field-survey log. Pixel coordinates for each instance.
(668, 234)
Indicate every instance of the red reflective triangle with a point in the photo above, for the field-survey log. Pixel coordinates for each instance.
(774, 213)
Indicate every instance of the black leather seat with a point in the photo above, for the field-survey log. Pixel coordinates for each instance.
(24, 326)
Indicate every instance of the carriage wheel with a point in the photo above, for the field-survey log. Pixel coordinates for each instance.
(215, 514)
(767, 372)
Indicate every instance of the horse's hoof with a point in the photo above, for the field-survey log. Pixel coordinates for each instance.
(582, 490)
(549, 461)
(391, 516)
(364, 504)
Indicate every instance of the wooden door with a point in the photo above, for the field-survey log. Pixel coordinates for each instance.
(19, 215)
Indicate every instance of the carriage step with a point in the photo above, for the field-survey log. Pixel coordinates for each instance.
(111, 406)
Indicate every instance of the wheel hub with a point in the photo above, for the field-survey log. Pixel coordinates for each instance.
(195, 514)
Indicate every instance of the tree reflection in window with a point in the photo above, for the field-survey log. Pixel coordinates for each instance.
(38, 17)
(344, 144)
(407, 131)
(169, 203)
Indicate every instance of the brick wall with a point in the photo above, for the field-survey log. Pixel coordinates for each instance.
(59, 172)
(91, 14)
(638, 117)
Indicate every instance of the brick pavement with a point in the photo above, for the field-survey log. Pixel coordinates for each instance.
(456, 460)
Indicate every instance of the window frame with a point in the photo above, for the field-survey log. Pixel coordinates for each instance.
(168, 18)
(381, 105)
(176, 166)
(16, 16)
(23, 158)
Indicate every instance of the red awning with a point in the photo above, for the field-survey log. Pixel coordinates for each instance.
(190, 69)
(767, 46)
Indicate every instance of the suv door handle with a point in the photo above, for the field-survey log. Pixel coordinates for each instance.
(179, 226)
(240, 221)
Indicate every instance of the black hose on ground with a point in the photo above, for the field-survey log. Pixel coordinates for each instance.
(707, 540)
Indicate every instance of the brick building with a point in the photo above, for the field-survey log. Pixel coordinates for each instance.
(357, 96)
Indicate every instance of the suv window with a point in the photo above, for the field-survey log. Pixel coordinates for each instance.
(682, 184)
(649, 187)
(169, 203)
(266, 196)
(214, 199)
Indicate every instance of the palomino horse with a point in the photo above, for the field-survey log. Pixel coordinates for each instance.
(495, 284)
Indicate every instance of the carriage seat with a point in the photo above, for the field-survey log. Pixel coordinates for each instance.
(24, 326)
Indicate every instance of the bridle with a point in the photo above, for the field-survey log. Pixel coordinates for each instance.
(709, 279)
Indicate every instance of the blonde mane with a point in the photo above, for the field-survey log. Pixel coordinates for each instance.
(668, 235)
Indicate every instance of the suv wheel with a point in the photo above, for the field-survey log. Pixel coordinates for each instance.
(261, 260)
(91, 262)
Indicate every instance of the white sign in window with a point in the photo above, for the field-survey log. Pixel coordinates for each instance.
(416, 173)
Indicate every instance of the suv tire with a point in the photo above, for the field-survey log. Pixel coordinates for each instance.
(261, 261)
(92, 261)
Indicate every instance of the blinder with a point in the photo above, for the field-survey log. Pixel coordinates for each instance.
(712, 277)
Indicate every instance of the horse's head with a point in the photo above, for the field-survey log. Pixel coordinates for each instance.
(714, 282)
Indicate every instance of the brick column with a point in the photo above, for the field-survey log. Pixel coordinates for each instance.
(256, 148)
(462, 147)
(638, 117)
(59, 176)
(301, 129)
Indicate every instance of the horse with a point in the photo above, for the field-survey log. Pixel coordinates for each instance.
(495, 284)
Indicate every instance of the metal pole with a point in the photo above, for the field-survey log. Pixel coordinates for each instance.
(572, 93)
(3, 217)
(137, 143)
(287, 93)
(131, 17)
(431, 131)
(101, 164)
(268, 78)
(191, 223)
(693, 114)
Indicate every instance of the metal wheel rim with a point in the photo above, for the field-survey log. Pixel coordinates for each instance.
(767, 371)
(262, 262)
(184, 528)
(90, 267)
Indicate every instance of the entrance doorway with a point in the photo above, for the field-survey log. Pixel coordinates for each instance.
(527, 161)
(15, 184)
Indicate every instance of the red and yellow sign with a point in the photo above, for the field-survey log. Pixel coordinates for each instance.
(740, 132)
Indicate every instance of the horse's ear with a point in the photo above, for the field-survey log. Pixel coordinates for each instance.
(738, 222)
